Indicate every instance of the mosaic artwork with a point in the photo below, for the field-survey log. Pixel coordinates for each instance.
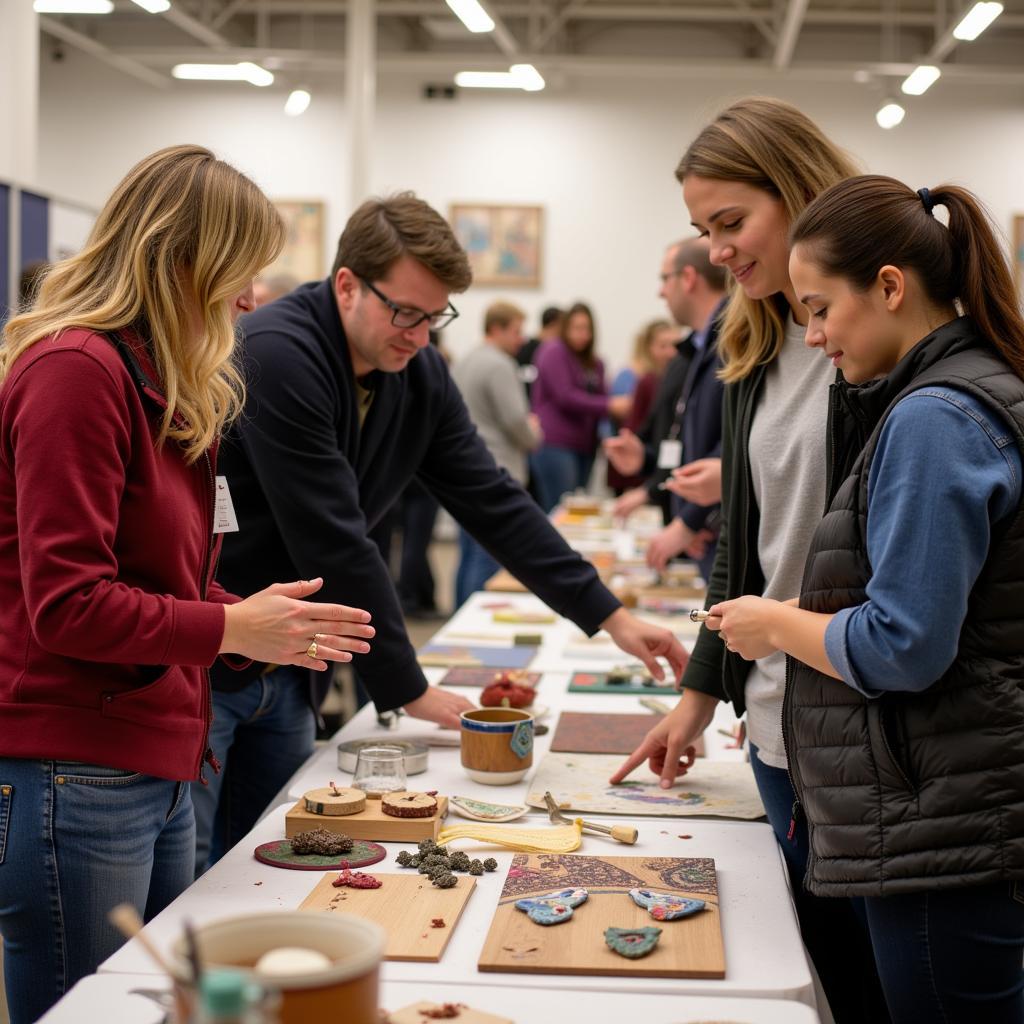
(579, 782)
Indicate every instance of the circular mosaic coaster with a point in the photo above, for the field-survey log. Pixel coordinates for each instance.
(279, 855)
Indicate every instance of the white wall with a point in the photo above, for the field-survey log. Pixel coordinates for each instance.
(598, 155)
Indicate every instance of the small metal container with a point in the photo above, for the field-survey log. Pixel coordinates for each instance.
(415, 754)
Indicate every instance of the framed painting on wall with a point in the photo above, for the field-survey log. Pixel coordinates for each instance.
(1018, 250)
(503, 242)
(303, 254)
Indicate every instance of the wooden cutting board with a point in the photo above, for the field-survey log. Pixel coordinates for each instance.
(404, 906)
(688, 948)
(371, 823)
(582, 732)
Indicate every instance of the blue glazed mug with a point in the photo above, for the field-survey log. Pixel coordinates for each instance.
(497, 745)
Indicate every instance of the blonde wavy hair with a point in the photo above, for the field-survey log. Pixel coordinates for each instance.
(180, 237)
(775, 147)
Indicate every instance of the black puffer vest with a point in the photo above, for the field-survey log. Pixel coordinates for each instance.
(914, 791)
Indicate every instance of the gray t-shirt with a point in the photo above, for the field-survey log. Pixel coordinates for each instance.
(489, 382)
(787, 463)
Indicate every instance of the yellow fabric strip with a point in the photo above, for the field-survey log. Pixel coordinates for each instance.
(559, 839)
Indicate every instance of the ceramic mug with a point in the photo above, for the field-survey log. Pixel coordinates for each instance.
(497, 745)
(345, 991)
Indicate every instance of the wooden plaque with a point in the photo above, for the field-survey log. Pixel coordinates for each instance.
(405, 906)
(691, 947)
(371, 823)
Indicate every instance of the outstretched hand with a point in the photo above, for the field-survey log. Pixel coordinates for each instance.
(669, 748)
(647, 642)
(277, 626)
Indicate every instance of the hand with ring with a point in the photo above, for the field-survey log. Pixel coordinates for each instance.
(276, 624)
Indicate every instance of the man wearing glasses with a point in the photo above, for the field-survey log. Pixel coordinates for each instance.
(347, 402)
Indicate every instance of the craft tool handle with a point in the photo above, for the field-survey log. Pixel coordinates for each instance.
(620, 833)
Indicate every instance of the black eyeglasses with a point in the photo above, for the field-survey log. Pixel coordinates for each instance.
(406, 318)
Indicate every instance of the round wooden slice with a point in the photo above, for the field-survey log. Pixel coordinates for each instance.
(279, 855)
(408, 805)
(335, 803)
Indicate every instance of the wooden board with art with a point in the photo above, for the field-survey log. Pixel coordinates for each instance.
(712, 789)
(644, 917)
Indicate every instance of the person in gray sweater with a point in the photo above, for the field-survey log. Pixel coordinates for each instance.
(489, 381)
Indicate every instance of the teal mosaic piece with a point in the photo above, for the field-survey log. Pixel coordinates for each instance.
(632, 943)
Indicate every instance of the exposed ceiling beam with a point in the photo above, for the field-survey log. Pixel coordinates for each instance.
(638, 67)
(195, 28)
(59, 30)
(599, 12)
(792, 22)
(503, 39)
(555, 24)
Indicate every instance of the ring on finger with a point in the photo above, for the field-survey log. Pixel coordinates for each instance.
(311, 650)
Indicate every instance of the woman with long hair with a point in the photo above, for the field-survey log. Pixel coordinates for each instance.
(746, 178)
(570, 399)
(114, 389)
(906, 689)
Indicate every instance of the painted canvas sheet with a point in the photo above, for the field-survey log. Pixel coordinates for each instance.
(483, 677)
(711, 789)
(475, 657)
(597, 682)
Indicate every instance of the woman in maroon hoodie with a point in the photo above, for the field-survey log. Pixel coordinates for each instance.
(114, 390)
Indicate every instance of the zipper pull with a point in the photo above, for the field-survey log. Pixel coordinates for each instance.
(211, 759)
(794, 816)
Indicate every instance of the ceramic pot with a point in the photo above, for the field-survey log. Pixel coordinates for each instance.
(345, 991)
(497, 745)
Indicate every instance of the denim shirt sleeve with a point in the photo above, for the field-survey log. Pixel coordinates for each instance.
(945, 471)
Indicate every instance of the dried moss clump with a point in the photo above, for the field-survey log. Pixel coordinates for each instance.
(319, 840)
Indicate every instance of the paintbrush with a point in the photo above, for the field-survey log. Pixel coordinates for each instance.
(192, 947)
(125, 918)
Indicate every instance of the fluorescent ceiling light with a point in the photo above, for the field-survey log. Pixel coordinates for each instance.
(72, 6)
(890, 115)
(297, 102)
(519, 76)
(244, 72)
(472, 15)
(976, 20)
(528, 77)
(920, 80)
(154, 6)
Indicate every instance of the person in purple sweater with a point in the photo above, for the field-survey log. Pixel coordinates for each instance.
(570, 400)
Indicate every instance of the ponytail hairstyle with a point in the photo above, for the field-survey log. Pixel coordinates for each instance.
(181, 236)
(860, 225)
(775, 147)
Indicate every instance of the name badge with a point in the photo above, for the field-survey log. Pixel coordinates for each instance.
(670, 454)
(224, 518)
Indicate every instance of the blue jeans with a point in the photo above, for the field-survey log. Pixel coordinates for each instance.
(557, 471)
(261, 735)
(476, 567)
(75, 841)
(834, 930)
(951, 955)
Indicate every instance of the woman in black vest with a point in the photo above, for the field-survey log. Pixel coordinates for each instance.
(746, 178)
(905, 697)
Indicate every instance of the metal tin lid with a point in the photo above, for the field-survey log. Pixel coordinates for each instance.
(415, 753)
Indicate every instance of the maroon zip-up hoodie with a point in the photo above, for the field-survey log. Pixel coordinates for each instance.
(108, 616)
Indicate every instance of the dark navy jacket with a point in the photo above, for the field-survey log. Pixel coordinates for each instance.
(308, 484)
(701, 427)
